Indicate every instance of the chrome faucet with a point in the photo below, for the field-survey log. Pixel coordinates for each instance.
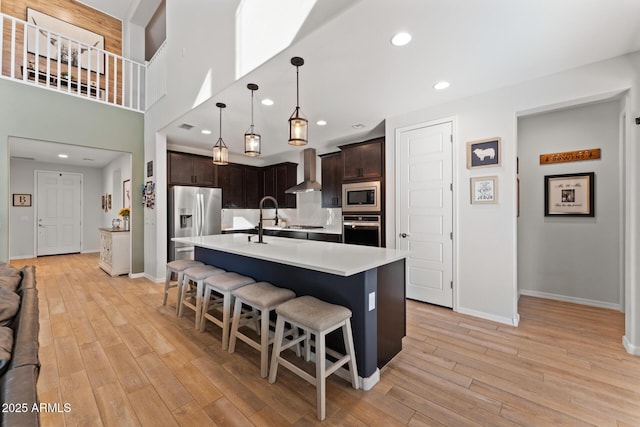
(260, 228)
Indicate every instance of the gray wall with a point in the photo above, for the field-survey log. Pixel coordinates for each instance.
(571, 258)
(21, 232)
(35, 113)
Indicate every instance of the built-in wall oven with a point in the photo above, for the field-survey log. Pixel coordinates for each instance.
(361, 197)
(361, 230)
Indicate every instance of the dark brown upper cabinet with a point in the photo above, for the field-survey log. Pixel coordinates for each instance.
(252, 186)
(331, 180)
(231, 179)
(363, 160)
(190, 169)
(277, 179)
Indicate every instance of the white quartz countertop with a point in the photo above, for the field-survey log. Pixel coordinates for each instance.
(333, 258)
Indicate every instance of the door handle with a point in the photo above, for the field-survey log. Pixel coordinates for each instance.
(404, 235)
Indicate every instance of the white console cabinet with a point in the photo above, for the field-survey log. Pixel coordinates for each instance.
(114, 251)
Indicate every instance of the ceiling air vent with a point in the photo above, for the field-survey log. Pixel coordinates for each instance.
(186, 126)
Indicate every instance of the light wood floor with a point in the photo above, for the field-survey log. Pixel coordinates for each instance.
(112, 351)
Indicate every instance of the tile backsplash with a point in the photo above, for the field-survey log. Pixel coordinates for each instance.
(309, 211)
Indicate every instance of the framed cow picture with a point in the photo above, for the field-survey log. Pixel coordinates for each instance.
(484, 153)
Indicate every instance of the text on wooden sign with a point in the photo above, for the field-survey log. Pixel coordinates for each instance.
(570, 156)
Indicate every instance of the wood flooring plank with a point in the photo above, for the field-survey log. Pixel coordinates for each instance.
(127, 370)
(172, 392)
(113, 404)
(76, 390)
(107, 343)
(150, 409)
(224, 413)
(192, 414)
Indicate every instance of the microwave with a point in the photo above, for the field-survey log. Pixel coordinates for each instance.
(361, 197)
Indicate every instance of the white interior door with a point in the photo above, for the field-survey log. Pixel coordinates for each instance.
(59, 213)
(425, 212)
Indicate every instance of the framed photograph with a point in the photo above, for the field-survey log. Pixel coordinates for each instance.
(484, 153)
(569, 195)
(104, 203)
(126, 194)
(108, 202)
(484, 190)
(69, 43)
(149, 168)
(23, 200)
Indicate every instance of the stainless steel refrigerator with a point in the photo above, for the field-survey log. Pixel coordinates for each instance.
(193, 211)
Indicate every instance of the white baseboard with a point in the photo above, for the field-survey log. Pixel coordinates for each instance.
(488, 316)
(631, 349)
(575, 300)
(137, 275)
(90, 251)
(22, 257)
(151, 278)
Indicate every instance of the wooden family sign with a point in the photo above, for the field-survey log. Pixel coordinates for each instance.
(570, 156)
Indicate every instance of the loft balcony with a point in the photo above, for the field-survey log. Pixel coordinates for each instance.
(36, 56)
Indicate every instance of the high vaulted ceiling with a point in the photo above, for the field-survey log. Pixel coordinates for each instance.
(353, 75)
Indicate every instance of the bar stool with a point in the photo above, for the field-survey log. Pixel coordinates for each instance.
(318, 318)
(222, 285)
(262, 297)
(178, 267)
(195, 274)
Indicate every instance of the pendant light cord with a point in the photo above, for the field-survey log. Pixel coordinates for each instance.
(220, 123)
(297, 89)
(251, 111)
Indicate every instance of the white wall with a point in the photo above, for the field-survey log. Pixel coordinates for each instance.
(22, 219)
(485, 246)
(113, 176)
(203, 62)
(571, 258)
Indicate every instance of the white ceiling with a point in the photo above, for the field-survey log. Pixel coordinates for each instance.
(353, 75)
(47, 152)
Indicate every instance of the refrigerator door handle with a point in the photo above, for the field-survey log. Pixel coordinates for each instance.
(200, 213)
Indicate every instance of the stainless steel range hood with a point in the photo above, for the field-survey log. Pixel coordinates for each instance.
(309, 167)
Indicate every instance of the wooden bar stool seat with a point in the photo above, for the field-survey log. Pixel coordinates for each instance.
(196, 275)
(262, 297)
(318, 318)
(178, 267)
(223, 285)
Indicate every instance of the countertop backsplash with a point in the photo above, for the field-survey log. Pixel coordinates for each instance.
(308, 212)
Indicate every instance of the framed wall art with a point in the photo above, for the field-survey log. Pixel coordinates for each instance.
(569, 194)
(22, 200)
(68, 43)
(484, 153)
(484, 190)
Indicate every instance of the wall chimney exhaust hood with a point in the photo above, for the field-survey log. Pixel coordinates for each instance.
(309, 167)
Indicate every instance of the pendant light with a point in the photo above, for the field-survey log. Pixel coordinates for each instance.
(251, 139)
(298, 124)
(220, 150)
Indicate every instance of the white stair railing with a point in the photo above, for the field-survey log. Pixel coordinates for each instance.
(37, 56)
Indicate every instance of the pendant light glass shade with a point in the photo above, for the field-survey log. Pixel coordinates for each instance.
(252, 140)
(298, 124)
(220, 150)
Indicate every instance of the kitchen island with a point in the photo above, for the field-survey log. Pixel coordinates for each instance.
(370, 281)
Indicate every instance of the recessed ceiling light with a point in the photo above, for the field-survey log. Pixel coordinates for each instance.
(358, 126)
(401, 39)
(267, 101)
(63, 156)
(321, 122)
(205, 132)
(441, 85)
